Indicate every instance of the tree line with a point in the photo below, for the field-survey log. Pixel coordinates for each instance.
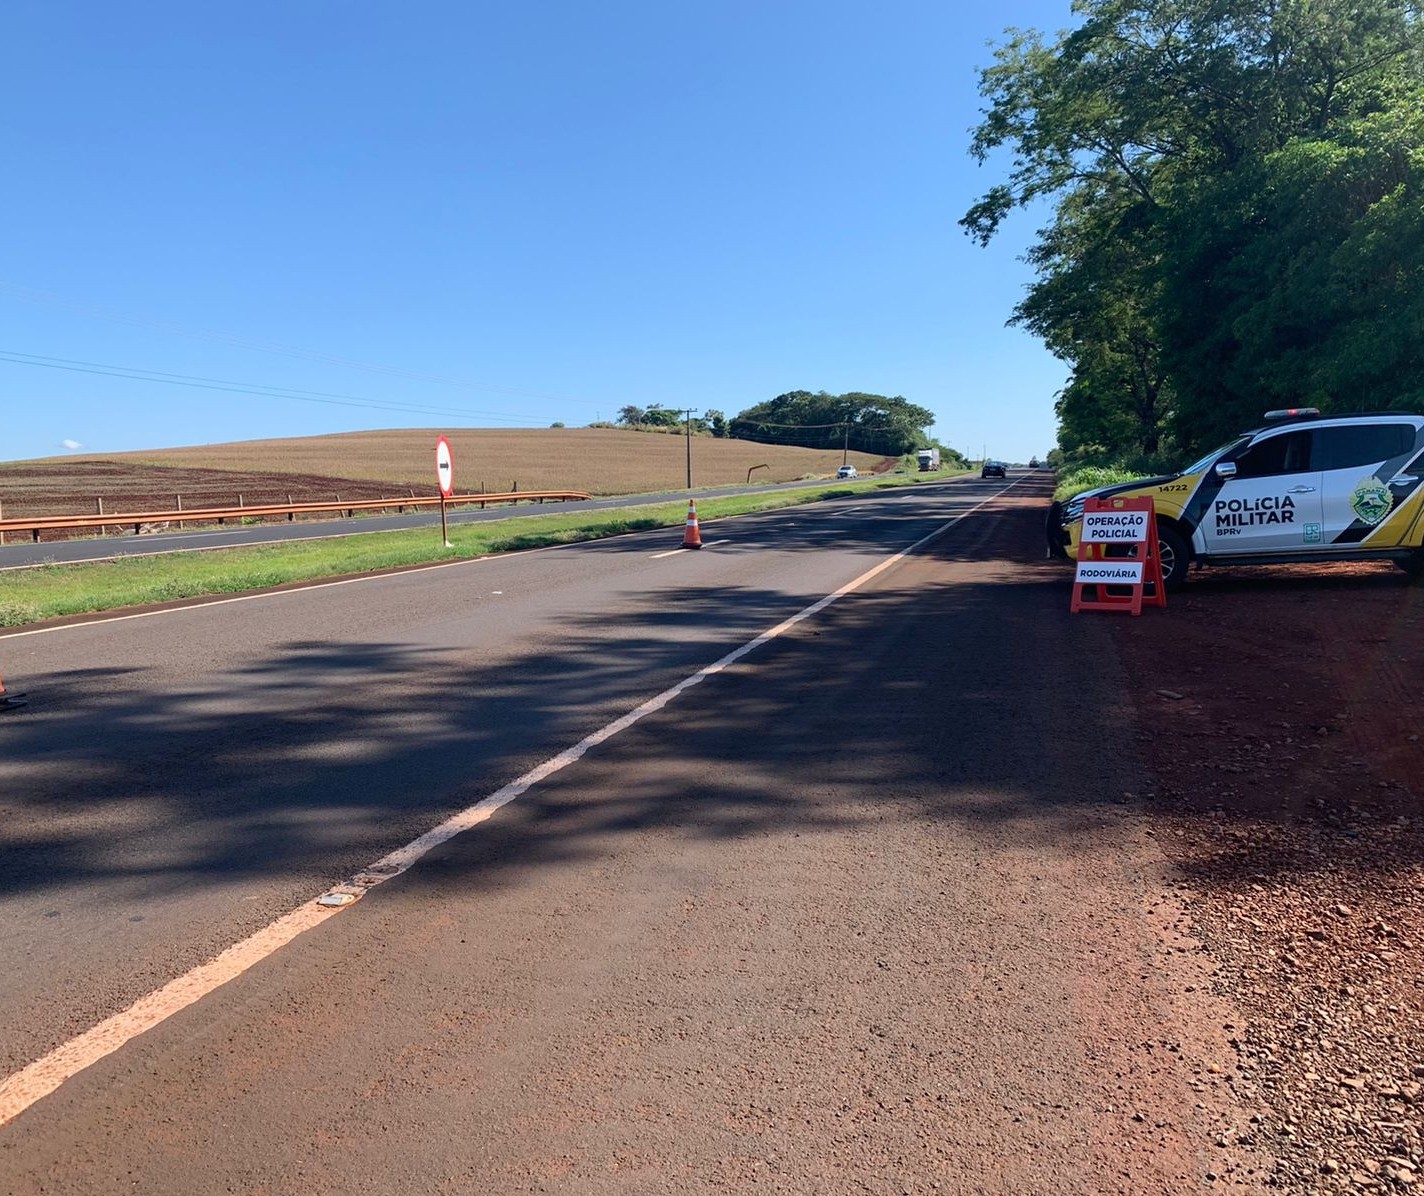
(865, 423)
(1237, 212)
(657, 418)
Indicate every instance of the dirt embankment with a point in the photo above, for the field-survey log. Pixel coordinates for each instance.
(1282, 711)
(78, 488)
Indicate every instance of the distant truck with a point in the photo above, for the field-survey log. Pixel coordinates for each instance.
(928, 459)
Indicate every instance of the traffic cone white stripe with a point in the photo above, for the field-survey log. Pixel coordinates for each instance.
(692, 537)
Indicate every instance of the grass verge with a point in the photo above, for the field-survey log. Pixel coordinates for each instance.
(1090, 477)
(54, 591)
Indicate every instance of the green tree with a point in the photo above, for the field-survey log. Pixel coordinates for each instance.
(1296, 280)
(658, 416)
(868, 423)
(1092, 306)
(1187, 271)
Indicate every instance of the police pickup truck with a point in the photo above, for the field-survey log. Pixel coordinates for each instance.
(1303, 487)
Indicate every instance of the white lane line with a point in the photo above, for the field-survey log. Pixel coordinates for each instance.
(346, 581)
(297, 589)
(32, 1083)
(316, 585)
(657, 556)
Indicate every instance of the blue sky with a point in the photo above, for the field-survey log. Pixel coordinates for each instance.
(470, 214)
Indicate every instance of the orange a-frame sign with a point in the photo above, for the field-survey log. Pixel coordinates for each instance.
(1118, 560)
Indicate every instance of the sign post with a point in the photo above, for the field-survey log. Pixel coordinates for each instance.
(445, 479)
(1126, 528)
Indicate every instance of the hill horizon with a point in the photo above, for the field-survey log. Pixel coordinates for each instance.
(600, 461)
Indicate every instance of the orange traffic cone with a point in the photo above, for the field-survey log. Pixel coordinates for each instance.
(692, 538)
(9, 701)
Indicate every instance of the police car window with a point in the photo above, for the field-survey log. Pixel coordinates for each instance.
(1352, 445)
(1286, 453)
(1200, 464)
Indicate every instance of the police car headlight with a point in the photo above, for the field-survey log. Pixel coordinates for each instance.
(1073, 510)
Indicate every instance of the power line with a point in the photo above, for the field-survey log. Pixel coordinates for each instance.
(118, 316)
(195, 382)
(844, 423)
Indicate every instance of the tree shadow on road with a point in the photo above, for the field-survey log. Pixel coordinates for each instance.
(955, 693)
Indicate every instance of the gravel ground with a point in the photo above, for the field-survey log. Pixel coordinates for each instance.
(1280, 714)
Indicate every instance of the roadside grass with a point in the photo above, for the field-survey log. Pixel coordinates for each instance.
(1090, 477)
(55, 590)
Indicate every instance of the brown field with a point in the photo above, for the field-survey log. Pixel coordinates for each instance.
(383, 464)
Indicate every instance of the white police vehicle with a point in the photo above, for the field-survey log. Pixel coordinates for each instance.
(1303, 487)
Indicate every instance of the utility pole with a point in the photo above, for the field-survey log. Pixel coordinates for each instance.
(687, 426)
(845, 447)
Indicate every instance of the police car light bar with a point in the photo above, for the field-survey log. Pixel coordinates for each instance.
(1292, 412)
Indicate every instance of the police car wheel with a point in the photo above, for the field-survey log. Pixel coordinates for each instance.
(1176, 556)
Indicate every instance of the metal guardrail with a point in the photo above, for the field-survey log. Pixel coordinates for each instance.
(34, 525)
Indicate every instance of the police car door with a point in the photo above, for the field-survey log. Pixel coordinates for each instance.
(1273, 501)
(1363, 482)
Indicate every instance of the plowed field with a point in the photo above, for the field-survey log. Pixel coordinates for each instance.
(393, 463)
(123, 484)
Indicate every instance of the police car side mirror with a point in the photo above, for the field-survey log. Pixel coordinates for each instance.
(1226, 469)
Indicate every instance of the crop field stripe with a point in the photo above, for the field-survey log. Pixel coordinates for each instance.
(36, 1081)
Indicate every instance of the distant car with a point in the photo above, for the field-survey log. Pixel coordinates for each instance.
(1033, 462)
(992, 469)
(846, 471)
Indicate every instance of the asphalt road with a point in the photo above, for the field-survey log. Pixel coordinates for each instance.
(22, 554)
(850, 915)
